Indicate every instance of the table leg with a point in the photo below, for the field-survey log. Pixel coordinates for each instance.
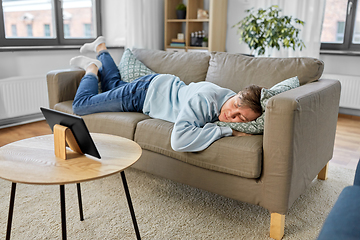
(11, 210)
(127, 193)
(63, 214)
(80, 202)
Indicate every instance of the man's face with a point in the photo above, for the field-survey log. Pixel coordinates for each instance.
(233, 111)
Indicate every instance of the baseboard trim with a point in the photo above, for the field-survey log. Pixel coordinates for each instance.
(10, 122)
(341, 115)
(349, 111)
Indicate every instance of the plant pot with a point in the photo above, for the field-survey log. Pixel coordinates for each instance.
(181, 14)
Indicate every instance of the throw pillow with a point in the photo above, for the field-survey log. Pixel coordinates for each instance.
(257, 126)
(253, 127)
(283, 86)
(131, 68)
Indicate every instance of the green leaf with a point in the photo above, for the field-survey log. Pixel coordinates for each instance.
(264, 28)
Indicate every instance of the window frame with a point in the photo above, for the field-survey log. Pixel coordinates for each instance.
(60, 39)
(347, 44)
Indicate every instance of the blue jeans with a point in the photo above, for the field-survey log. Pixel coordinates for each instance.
(117, 95)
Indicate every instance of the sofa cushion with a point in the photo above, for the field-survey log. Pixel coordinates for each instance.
(131, 68)
(236, 71)
(188, 66)
(222, 156)
(116, 123)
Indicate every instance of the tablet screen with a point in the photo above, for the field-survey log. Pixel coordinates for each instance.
(76, 125)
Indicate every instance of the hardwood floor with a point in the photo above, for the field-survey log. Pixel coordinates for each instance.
(12, 134)
(346, 149)
(347, 142)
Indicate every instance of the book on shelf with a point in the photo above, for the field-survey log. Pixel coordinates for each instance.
(173, 44)
(175, 40)
(175, 49)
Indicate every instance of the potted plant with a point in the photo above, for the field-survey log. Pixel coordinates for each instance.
(265, 29)
(181, 11)
(205, 42)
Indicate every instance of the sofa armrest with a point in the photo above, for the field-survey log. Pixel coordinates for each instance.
(62, 85)
(299, 134)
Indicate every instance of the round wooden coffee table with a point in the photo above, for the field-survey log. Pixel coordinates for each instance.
(32, 161)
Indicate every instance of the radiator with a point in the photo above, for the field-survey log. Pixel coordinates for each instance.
(350, 90)
(22, 96)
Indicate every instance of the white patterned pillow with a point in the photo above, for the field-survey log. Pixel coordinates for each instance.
(131, 68)
(257, 126)
(283, 86)
(253, 127)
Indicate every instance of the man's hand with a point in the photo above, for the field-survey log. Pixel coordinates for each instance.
(239, 134)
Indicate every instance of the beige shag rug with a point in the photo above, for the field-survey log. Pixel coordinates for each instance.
(164, 210)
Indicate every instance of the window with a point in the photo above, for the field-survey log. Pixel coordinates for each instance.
(87, 30)
(340, 32)
(29, 30)
(356, 35)
(66, 30)
(341, 26)
(47, 32)
(48, 22)
(14, 30)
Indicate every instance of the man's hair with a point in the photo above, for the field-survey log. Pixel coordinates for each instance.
(250, 97)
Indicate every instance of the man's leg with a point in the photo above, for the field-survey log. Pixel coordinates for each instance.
(83, 102)
(109, 73)
(125, 98)
(119, 96)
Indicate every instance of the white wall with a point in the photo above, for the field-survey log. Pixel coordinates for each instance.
(343, 65)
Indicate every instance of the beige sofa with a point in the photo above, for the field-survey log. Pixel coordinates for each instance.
(270, 170)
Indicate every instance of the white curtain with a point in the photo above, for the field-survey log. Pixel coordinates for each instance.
(144, 24)
(312, 13)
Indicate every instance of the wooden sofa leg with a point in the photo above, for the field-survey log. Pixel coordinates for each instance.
(323, 173)
(277, 225)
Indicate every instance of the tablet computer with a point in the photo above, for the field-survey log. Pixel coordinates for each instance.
(76, 125)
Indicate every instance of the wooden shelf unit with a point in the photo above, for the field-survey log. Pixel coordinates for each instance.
(216, 24)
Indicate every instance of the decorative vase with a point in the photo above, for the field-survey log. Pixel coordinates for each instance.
(181, 14)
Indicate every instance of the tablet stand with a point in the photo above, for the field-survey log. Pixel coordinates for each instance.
(63, 135)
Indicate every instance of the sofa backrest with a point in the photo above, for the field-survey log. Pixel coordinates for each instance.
(233, 71)
(236, 71)
(188, 66)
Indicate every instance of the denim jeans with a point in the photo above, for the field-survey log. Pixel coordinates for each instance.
(117, 95)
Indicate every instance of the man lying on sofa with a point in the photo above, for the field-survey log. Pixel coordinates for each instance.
(193, 108)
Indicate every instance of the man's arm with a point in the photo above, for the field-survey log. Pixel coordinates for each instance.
(192, 130)
(239, 134)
